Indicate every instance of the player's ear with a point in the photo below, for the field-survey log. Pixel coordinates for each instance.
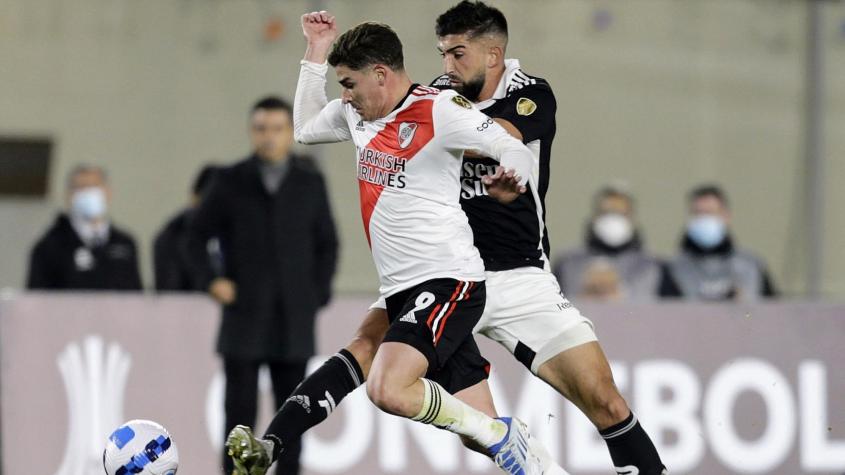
(381, 73)
(494, 56)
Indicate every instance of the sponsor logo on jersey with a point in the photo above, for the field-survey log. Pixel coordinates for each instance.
(525, 106)
(484, 125)
(462, 101)
(381, 168)
(360, 126)
(441, 82)
(406, 133)
(471, 173)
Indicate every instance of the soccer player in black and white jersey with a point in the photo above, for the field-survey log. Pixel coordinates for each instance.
(525, 311)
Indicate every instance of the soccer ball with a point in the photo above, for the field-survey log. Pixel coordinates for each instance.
(140, 447)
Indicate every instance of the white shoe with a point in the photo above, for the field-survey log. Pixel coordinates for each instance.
(513, 453)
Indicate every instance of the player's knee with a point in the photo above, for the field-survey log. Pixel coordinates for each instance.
(605, 405)
(383, 394)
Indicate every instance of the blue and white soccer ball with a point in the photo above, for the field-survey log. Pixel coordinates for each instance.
(140, 447)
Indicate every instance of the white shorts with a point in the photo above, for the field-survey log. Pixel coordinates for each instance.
(528, 315)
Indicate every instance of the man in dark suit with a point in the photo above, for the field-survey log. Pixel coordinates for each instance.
(271, 215)
(84, 250)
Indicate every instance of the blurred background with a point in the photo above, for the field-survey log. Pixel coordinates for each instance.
(661, 94)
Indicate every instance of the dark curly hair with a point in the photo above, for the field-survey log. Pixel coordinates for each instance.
(368, 44)
(471, 18)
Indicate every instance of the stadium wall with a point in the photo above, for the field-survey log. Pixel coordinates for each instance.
(722, 389)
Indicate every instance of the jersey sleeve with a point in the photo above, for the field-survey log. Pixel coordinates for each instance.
(531, 110)
(315, 119)
(460, 126)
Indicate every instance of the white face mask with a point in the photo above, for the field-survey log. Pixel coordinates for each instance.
(707, 230)
(89, 203)
(613, 229)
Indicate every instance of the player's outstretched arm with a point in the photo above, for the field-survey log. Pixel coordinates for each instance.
(463, 127)
(315, 119)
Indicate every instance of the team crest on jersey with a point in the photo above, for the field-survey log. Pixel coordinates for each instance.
(406, 133)
(525, 106)
(462, 101)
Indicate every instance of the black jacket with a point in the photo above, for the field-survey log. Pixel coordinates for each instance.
(170, 259)
(280, 250)
(60, 260)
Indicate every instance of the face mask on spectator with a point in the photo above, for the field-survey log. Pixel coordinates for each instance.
(706, 230)
(89, 203)
(613, 229)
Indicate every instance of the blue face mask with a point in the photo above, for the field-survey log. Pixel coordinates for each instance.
(89, 203)
(706, 230)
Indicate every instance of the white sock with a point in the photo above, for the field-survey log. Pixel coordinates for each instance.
(445, 411)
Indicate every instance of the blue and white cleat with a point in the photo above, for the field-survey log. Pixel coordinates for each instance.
(513, 454)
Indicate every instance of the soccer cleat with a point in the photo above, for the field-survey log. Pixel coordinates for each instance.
(513, 454)
(250, 455)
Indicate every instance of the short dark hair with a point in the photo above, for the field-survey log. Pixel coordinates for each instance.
(472, 18)
(709, 189)
(272, 103)
(367, 44)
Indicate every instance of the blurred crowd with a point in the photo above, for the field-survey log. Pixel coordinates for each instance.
(85, 249)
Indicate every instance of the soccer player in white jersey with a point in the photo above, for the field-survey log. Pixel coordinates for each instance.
(409, 143)
(525, 312)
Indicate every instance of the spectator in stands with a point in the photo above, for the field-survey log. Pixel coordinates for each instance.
(170, 253)
(709, 265)
(271, 214)
(612, 265)
(84, 249)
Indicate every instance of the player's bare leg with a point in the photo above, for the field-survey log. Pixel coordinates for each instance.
(367, 339)
(396, 385)
(583, 375)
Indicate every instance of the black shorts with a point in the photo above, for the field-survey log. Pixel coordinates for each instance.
(437, 318)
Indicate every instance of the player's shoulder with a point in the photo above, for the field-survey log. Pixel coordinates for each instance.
(519, 81)
(441, 82)
(450, 98)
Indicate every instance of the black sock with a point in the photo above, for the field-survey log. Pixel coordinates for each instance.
(630, 446)
(314, 399)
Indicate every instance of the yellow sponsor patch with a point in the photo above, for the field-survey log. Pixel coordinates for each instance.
(462, 101)
(525, 106)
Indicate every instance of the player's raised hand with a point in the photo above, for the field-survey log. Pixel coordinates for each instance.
(503, 185)
(320, 31)
(319, 27)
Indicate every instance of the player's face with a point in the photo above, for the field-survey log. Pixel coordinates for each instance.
(363, 90)
(465, 62)
(271, 133)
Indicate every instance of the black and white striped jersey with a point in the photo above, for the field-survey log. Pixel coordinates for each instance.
(513, 235)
